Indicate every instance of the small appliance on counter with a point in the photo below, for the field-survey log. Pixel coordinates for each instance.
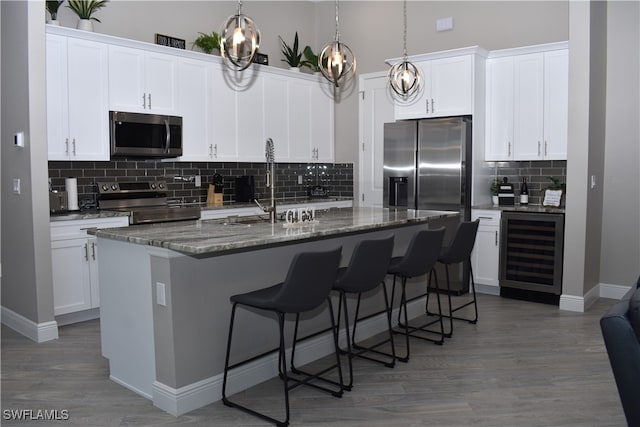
(58, 202)
(506, 195)
(71, 188)
(245, 188)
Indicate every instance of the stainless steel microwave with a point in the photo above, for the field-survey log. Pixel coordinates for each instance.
(145, 135)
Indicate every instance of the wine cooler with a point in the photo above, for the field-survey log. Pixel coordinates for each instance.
(531, 254)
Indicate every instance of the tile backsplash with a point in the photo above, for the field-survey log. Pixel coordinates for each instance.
(336, 177)
(536, 172)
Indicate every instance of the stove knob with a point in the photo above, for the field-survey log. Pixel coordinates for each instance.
(114, 187)
(153, 185)
(161, 185)
(105, 187)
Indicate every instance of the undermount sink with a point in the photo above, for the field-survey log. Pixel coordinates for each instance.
(246, 220)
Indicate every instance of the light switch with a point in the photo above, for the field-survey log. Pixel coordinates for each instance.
(16, 185)
(593, 182)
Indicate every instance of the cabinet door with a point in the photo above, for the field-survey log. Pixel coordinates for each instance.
(250, 117)
(57, 98)
(71, 275)
(300, 100)
(223, 117)
(451, 86)
(485, 257)
(322, 124)
(161, 83)
(499, 109)
(87, 74)
(419, 107)
(556, 104)
(528, 107)
(126, 80)
(196, 97)
(276, 115)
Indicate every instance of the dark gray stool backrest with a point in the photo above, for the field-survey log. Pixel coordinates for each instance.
(462, 243)
(368, 265)
(309, 280)
(422, 253)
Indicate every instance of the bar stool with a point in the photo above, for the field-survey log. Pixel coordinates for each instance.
(366, 271)
(459, 250)
(307, 284)
(420, 258)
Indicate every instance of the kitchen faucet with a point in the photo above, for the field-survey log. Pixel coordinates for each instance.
(270, 180)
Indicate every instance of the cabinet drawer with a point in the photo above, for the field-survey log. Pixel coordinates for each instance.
(487, 217)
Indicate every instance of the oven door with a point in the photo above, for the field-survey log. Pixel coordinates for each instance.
(145, 135)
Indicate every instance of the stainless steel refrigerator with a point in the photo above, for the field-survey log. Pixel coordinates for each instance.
(427, 165)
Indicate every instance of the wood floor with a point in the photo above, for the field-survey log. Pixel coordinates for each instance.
(523, 364)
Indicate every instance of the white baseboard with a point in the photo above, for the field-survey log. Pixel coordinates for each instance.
(196, 395)
(38, 332)
(601, 290)
(78, 316)
(613, 291)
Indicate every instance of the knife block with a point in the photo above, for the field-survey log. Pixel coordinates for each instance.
(213, 198)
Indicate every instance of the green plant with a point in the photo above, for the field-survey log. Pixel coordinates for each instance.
(292, 55)
(208, 42)
(53, 6)
(495, 186)
(555, 184)
(310, 59)
(85, 8)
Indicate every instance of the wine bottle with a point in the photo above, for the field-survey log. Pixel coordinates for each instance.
(524, 192)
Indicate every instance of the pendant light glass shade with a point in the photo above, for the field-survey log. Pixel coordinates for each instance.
(336, 60)
(239, 40)
(404, 77)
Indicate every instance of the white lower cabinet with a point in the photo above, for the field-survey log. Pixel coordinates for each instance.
(485, 258)
(74, 259)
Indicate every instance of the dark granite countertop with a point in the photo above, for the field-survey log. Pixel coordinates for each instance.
(216, 237)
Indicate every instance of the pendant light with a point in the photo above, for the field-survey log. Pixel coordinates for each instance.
(239, 40)
(336, 61)
(404, 77)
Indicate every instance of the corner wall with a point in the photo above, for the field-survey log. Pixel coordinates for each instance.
(26, 248)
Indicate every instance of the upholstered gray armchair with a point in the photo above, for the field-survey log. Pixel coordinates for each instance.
(621, 331)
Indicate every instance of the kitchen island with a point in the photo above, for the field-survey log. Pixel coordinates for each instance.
(165, 288)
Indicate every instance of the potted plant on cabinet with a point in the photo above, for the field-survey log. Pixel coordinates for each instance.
(208, 42)
(85, 10)
(310, 59)
(52, 7)
(495, 189)
(292, 55)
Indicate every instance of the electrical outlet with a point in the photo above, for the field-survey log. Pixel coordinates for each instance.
(299, 179)
(161, 298)
(198, 181)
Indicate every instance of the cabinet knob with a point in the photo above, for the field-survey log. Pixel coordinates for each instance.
(73, 144)
(86, 252)
(496, 242)
(538, 148)
(66, 146)
(144, 101)
(93, 251)
(509, 149)
(149, 96)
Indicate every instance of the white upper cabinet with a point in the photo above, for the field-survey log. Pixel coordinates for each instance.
(499, 110)
(227, 115)
(142, 81)
(447, 89)
(556, 104)
(322, 124)
(196, 106)
(77, 99)
(527, 106)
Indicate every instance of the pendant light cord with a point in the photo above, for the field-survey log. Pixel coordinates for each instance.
(404, 52)
(337, 22)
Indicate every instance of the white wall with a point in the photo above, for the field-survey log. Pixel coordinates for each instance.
(26, 248)
(620, 258)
